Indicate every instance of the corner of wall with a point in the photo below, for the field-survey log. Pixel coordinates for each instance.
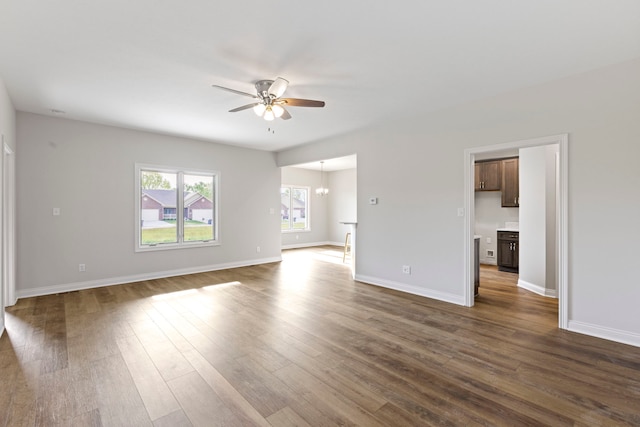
(606, 333)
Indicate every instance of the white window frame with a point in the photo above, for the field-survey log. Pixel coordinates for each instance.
(308, 209)
(180, 172)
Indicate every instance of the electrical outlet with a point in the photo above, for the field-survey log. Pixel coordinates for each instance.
(82, 267)
(258, 249)
(406, 269)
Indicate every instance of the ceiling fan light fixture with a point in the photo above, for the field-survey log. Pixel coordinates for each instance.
(268, 113)
(259, 109)
(268, 102)
(278, 111)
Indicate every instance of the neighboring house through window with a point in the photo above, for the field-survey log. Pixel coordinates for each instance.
(294, 208)
(175, 208)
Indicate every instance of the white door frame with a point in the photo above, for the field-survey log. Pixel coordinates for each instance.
(8, 276)
(561, 216)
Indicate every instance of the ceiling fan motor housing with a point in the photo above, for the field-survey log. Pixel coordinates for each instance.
(262, 86)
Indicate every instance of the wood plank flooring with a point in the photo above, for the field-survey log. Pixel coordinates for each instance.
(299, 343)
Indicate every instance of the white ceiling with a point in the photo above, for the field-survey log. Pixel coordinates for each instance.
(150, 64)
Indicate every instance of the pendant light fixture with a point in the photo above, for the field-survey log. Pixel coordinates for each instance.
(322, 191)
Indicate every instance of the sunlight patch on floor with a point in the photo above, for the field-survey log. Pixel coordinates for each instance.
(188, 292)
(221, 285)
(175, 294)
(332, 256)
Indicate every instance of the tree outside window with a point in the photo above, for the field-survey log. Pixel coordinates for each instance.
(294, 208)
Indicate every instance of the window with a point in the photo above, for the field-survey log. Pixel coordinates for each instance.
(175, 208)
(294, 208)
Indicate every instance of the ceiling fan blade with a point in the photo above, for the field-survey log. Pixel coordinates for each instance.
(234, 91)
(296, 102)
(278, 87)
(244, 107)
(285, 115)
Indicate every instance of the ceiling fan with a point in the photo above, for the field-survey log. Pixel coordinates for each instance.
(269, 103)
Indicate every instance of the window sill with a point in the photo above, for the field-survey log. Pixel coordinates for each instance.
(172, 246)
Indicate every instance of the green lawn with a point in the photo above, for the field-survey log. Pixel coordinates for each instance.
(296, 225)
(168, 235)
(187, 222)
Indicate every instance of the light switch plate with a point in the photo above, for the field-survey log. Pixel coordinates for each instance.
(373, 200)
(56, 211)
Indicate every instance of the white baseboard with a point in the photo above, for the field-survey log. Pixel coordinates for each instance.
(403, 287)
(310, 245)
(76, 286)
(604, 332)
(551, 293)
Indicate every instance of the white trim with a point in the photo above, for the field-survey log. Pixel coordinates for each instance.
(561, 216)
(603, 332)
(468, 293)
(537, 289)
(310, 245)
(403, 287)
(3, 282)
(562, 227)
(76, 286)
(9, 225)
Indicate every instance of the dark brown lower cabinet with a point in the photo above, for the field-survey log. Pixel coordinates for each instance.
(508, 251)
(476, 272)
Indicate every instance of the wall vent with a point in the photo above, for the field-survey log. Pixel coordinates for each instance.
(490, 253)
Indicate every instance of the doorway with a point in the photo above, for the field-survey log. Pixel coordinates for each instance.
(327, 211)
(561, 215)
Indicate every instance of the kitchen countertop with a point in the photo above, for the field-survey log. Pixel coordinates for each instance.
(513, 230)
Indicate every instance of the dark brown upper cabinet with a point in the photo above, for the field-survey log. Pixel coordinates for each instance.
(510, 183)
(488, 175)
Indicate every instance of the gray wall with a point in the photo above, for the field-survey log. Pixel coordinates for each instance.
(552, 182)
(87, 171)
(7, 117)
(342, 203)
(415, 166)
(537, 219)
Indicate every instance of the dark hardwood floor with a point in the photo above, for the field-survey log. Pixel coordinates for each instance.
(300, 343)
